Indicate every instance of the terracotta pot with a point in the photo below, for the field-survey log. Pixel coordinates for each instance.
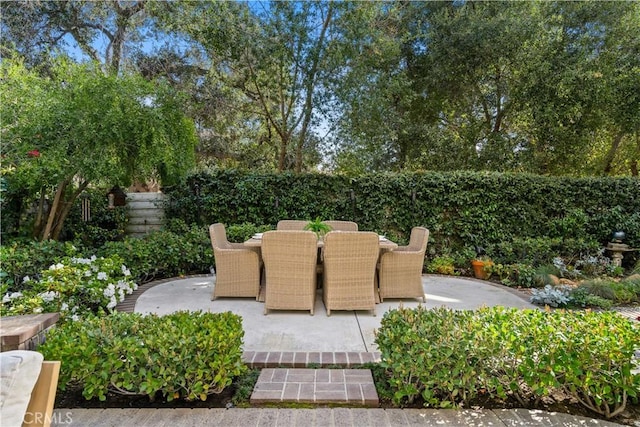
(478, 269)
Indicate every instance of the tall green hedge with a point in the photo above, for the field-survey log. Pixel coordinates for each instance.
(462, 209)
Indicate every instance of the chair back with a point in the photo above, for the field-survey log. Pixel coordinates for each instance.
(290, 258)
(350, 259)
(218, 236)
(419, 239)
(342, 225)
(291, 224)
(291, 250)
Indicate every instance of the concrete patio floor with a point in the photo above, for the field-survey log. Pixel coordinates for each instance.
(343, 331)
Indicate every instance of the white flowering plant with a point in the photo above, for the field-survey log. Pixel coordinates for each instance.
(74, 286)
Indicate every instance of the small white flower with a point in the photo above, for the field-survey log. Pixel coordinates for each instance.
(112, 303)
(75, 317)
(58, 266)
(109, 291)
(10, 296)
(48, 296)
(37, 310)
(64, 306)
(125, 271)
(26, 279)
(93, 258)
(102, 275)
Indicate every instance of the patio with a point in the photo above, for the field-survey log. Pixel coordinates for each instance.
(297, 331)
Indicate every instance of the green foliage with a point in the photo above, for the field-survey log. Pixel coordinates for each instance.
(105, 224)
(21, 258)
(441, 265)
(134, 128)
(244, 387)
(239, 233)
(553, 296)
(181, 355)
(581, 297)
(165, 253)
(448, 357)
(74, 287)
(522, 275)
(513, 221)
(317, 226)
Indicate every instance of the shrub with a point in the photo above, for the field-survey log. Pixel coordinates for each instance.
(441, 265)
(241, 232)
(522, 275)
(75, 286)
(165, 253)
(447, 357)
(553, 296)
(540, 217)
(23, 258)
(580, 297)
(181, 355)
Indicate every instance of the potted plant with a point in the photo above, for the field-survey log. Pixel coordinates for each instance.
(318, 227)
(482, 267)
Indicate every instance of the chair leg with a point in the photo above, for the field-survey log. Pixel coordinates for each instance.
(266, 310)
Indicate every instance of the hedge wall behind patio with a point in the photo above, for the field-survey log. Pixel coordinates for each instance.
(461, 209)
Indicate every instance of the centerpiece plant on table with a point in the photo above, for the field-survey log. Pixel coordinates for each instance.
(318, 227)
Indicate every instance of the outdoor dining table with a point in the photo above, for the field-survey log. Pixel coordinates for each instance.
(256, 241)
(385, 245)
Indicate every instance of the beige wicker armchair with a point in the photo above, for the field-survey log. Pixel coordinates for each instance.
(342, 225)
(290, 270)
(237, 267)
(400, 274)
(291, 224)
(349, 270)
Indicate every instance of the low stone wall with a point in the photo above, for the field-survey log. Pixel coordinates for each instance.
(26, 332)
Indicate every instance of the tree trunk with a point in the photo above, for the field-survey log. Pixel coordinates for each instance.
(310, 84)
(53, 211)
(65, 209)
(37, 225)
(608, 159)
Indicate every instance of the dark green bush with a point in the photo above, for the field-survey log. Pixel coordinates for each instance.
(241, 232)
(519, 218)
(104, 225)
(449, 357)
(165, 253)
(181, 355)
(22, 258)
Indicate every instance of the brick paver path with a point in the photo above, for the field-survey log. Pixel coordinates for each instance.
(349, 386)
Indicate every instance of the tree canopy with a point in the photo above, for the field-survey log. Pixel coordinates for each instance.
(538, 86)
(78, 125)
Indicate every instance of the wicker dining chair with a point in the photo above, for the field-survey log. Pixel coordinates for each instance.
(291, 224)
(290, 270)
(342, 225)
(237, 267)
(400, 270)
(349, 270)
